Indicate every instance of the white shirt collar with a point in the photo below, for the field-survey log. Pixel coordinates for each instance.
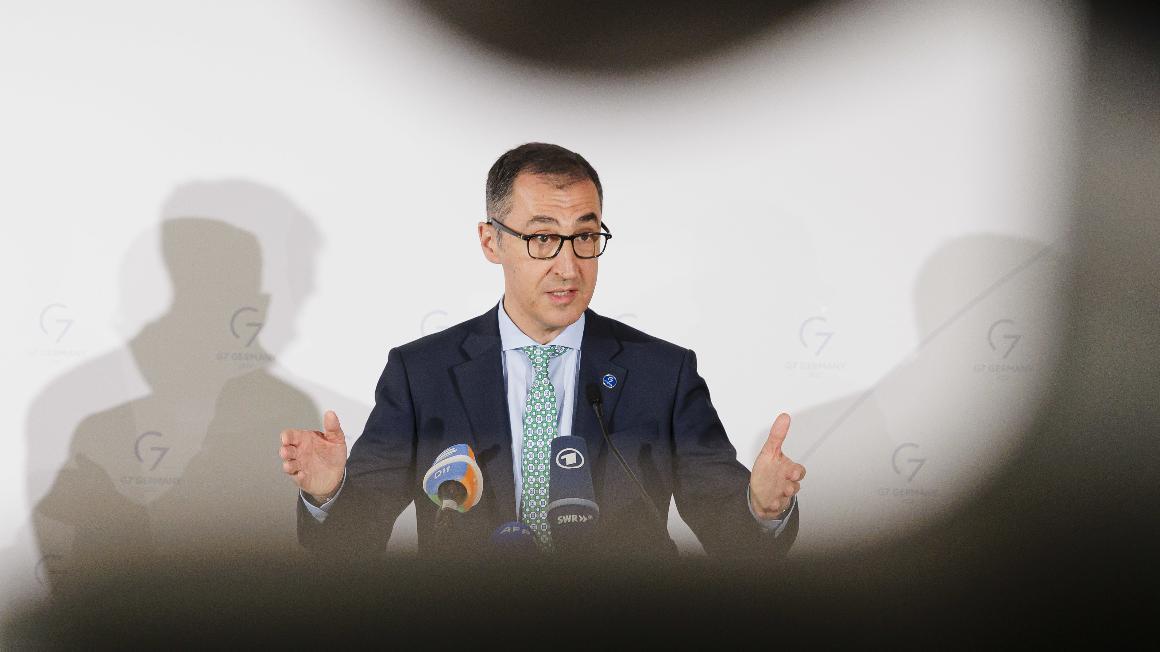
(511, 337)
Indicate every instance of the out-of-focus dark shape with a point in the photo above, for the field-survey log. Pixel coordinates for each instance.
(609, 36)
(1062, 546)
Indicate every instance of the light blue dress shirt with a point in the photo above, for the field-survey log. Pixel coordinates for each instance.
(563, 371)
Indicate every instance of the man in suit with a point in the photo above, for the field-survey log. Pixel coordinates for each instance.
(510, 380)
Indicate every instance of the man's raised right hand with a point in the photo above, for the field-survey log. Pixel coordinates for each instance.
(316, 460)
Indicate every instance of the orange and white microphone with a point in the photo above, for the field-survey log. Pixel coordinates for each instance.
(454, 481)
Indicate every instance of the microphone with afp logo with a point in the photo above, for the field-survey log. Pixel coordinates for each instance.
(454, 483)
(513, 539)
(572, 508)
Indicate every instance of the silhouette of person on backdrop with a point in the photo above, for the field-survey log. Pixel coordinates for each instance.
(168, 456)
(931, 431)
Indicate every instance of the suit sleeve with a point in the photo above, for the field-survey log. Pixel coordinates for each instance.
(711, 486)
(380, 475)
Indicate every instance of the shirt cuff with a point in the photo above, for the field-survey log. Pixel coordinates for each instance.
(319, 512)
(775, 525)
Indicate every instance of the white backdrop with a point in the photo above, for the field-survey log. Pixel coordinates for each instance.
(858, 218)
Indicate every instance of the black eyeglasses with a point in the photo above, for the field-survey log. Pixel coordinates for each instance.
(545, 246)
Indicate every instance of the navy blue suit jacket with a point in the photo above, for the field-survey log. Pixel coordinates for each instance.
(448, 388)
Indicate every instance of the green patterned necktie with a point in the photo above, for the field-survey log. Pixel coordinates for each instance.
(540, 417)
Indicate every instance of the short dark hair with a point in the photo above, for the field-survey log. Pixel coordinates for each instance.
(534, 158)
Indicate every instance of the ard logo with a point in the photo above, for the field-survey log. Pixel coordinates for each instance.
(569, 458)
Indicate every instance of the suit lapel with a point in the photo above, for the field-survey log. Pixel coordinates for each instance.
(481, 388)
(597, 349)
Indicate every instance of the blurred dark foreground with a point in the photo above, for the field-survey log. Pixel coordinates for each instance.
(904, 597)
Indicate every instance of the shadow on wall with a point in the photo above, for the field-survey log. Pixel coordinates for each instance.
(167, 448)
(933, 431)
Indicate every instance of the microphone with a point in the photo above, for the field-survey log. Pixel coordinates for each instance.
(454, 482)
(572, 508)
(514, 539)
(592, 393)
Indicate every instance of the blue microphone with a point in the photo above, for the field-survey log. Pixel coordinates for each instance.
(572, 508)
(514, 539)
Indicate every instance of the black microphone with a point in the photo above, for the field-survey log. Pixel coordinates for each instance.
(592, 393)
(572, 508)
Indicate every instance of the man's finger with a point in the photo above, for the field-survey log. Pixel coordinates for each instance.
(331, 425)
(773, 509)
(777, 435)
(795, 472)
(295, 436)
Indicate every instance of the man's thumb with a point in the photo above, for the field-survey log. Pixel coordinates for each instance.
(777, 434)
(330, 424)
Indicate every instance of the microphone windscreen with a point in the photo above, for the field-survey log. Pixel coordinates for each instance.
(514, 538)
(572, 508)
(456, 464)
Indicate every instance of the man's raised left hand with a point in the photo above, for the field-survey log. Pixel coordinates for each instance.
(776, 478)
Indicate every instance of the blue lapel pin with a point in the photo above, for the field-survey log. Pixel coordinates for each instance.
(609, 381)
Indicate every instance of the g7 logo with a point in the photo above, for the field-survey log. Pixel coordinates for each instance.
(1012, 337)
(256, 325)
(65, 323)
(823, 335)
(917, 462)
(424, 328)
(160, 450)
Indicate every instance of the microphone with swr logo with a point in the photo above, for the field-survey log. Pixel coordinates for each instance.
(572, 508)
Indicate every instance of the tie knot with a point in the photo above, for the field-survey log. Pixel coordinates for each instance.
(540, 355)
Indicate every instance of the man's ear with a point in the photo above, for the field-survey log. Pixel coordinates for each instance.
(488, 242)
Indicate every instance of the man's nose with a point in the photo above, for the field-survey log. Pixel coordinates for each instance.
(565, 262)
